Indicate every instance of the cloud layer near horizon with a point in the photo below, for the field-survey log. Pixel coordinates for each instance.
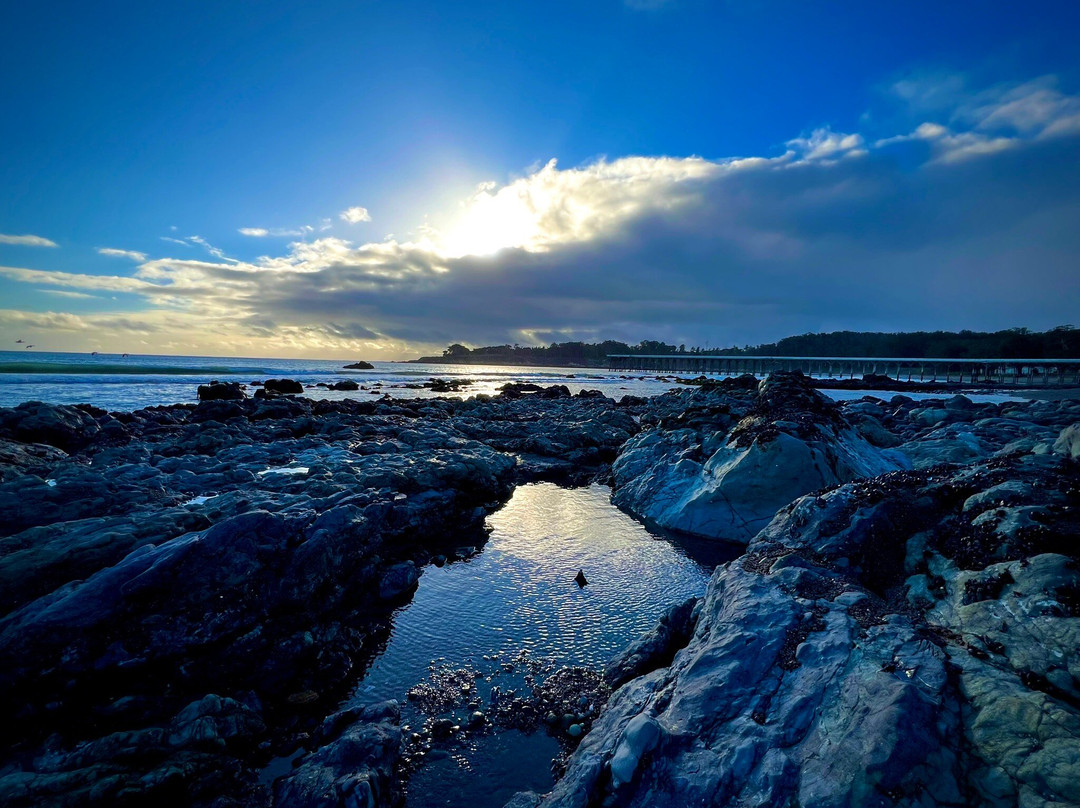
(966, 219)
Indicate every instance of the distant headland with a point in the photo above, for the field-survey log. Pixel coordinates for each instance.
(1062, 342)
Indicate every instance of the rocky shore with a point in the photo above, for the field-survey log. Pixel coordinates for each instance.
(189, 592)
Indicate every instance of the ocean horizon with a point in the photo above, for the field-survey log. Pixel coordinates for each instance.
(124, 383)
(134, 381)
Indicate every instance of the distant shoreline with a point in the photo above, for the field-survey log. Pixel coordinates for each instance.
(504, 361)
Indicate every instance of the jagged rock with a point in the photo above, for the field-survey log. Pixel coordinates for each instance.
(819, 669)
(1068, 442)
(778, 700)
(354, 766)
(729, 483)
(18, 459)
(361, 365)
(67, 428)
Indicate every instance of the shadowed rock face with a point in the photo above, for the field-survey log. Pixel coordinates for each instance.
(725, 477)
(66, 428)
(221, 391)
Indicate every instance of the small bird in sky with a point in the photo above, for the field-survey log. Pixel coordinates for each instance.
(29, 346)
(18, 342)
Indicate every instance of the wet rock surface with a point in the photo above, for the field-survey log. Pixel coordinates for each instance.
(189, 592)
(246, 552)
(909, 638)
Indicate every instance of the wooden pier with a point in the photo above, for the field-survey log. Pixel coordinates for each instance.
(1012, 372)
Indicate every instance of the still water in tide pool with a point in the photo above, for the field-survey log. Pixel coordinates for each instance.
(519, 595)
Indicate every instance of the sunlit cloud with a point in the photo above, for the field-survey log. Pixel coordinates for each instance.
(28, 241)
(210, 248)
(552, 206)
(68, 294)
(824, 144)
(263, 232)
(134, 255)
(355, 215)
(114, 283)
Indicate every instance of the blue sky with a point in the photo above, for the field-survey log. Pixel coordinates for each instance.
(132, 124)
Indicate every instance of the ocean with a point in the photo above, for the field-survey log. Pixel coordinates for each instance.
(130, 382)
(115, 382)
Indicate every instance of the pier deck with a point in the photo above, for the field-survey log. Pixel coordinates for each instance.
(1018, 372)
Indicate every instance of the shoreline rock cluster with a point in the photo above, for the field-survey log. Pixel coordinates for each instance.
(189, 591)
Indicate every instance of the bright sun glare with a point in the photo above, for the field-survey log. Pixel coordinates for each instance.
(492, 222)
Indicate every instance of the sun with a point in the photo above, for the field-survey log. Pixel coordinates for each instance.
(492, 222)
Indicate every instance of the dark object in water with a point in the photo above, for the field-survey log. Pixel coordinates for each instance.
(580, 580)
(283, 386)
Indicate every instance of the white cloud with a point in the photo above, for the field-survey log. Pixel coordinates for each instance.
(1032, 110)
(112, 283)
(952, 147)
(65, 293)
(27, 241)
(210, 248)
(924, 131)
(964, 146)
(355, 215)
(825, 144)
(263, 232)
(1035, 108)
(134, 255)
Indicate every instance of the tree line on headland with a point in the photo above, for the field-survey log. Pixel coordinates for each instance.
(1062, 342)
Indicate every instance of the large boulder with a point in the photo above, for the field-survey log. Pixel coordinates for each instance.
(67, 428)
(221, 391)
(344, 384)
(728, 484)
(283, 386)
